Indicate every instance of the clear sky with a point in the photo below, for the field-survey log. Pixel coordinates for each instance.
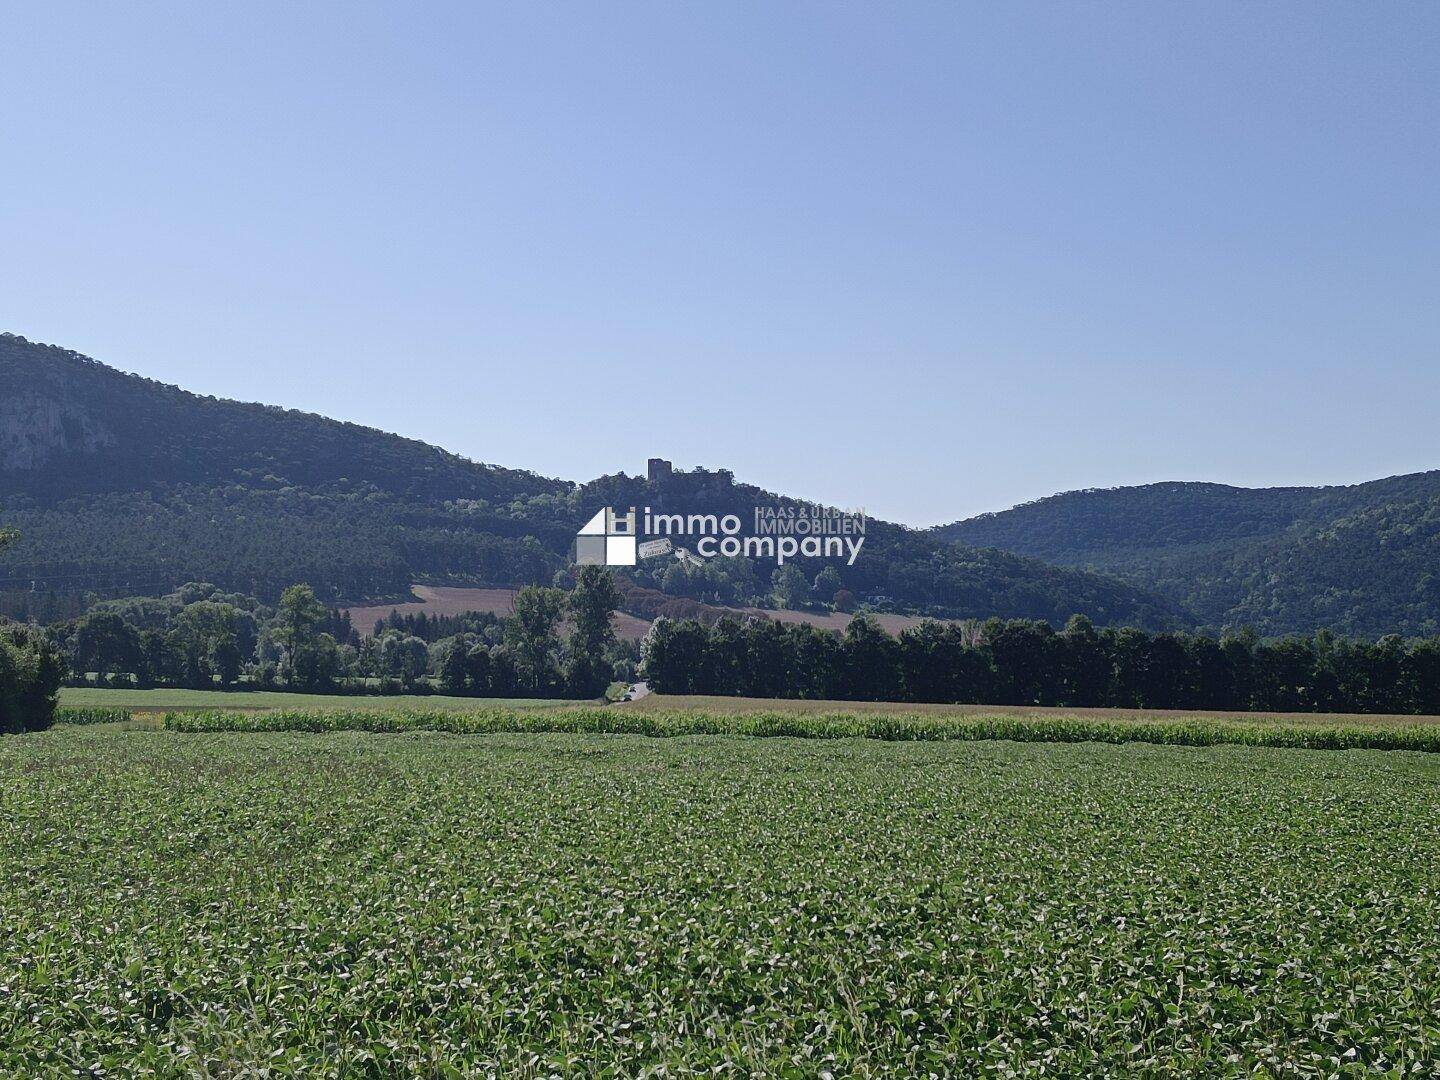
(926, 259)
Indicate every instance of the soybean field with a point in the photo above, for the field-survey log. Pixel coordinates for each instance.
(424, 903)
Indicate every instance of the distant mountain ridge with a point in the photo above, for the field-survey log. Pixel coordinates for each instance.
(120, 483)
(1361, 559)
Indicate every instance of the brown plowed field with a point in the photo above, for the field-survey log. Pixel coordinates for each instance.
(451, 600)
(454, 600)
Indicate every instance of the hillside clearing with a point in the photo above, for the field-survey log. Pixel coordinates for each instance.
(433, 600)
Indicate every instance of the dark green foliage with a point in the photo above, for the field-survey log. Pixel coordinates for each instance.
(103, 642)
(867, 667)
(31, 671)
(200, 637)
(530, 637)
(462, 664)
(1167, 516)
(592, 603)
(594, 657)
(920, 572)
(350, 543)
(402, 661)
(1356, 560)
(139, 486)
(431, 628)
(789, 588)
(142, 486)
(308, 658)
(196, 636)
(120, 432)
(1026, 662)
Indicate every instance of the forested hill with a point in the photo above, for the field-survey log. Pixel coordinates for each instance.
(123, 485)
(923, 574)
(71, 425)
(1361, 559)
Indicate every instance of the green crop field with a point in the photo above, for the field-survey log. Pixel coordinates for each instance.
(439, 905)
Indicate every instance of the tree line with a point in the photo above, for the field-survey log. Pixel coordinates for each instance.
(1028, 662)
(558, 643)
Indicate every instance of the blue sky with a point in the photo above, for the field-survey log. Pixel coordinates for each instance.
(926, 259)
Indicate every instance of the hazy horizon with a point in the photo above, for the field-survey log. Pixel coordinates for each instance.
(931, 261)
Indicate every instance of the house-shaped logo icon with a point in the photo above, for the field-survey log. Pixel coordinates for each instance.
(607, 539)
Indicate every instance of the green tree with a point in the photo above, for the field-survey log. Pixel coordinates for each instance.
(1024, 653)
(104, 642)
(205, 636)
(769, 662)
(827, 584)
(451, 657)
(672, 653)
(157, 660)
(530, 635)
(404, 658)
(224, 660)
(939, 662)
(297, 625)
(789, 587)
(1084, 664)
(479, 669)
(817, 661)
(592, 605)
(868, 663)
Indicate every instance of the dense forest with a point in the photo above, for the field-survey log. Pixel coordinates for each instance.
(1361, 560)
(123, 485)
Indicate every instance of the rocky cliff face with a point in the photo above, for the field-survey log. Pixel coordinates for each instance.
(35, 427)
